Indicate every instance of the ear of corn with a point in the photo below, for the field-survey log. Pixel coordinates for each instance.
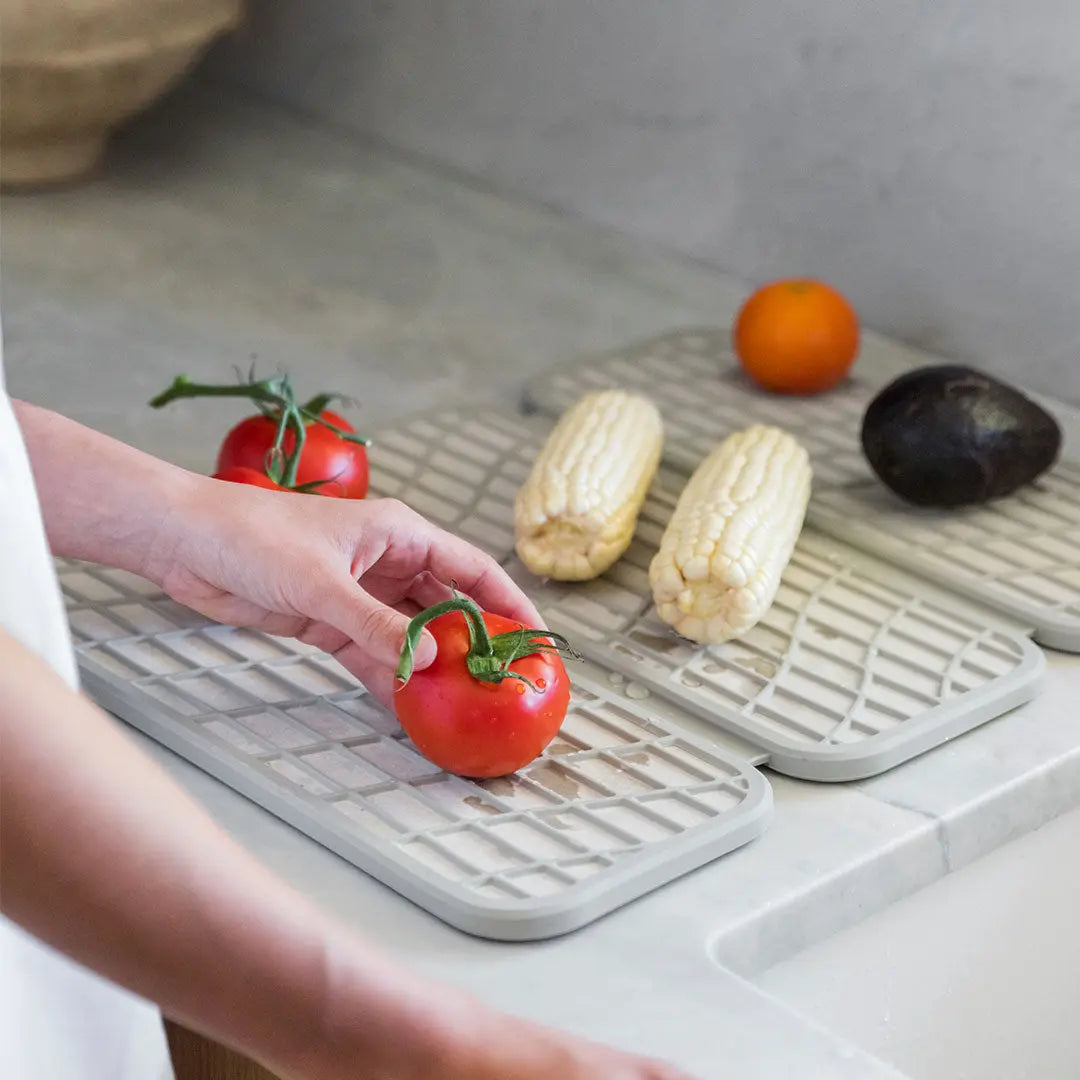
(576, 512)
(731, 535)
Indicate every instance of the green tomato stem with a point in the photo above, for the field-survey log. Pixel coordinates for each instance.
(341, 433)
(292, 418)
(478, 636)
(489, 658)
(273, 461)
(319, 402)
(272, 397)
(264, 390)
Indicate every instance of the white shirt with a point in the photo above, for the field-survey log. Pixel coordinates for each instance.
(58, 1020)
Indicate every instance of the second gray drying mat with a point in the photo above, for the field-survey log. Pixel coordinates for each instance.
(1020, 555)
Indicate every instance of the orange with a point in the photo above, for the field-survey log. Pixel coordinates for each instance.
(798, 336)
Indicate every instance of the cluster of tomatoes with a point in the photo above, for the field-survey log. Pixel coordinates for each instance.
(285, 446)
(328, 464)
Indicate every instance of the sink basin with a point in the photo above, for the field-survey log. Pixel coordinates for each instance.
(974, 977)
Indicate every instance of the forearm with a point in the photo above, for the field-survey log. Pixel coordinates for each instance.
(110, 862)
(101, 500)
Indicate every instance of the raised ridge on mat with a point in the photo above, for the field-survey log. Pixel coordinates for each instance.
(619, 803)
(851, 670)
(1020, 555)
(856, 667)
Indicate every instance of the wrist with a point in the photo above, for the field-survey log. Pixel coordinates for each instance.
(174, 505)
(396, 1023)
(139, 529)
(102, 500)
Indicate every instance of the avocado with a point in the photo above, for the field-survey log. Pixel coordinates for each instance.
(947, 435)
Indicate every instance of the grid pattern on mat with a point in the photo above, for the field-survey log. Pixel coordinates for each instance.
(616, 787)
(843, 655)
(1020, 555)
(851, 650)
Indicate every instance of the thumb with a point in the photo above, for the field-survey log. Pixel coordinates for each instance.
(377, 629)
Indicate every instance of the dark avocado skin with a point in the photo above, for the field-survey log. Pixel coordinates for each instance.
(948, 435)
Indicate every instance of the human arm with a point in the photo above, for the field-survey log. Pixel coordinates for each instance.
(115, 866)
(344, 575)
(112, 864)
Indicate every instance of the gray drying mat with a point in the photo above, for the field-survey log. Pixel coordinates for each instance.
(1019, 555)
(621, 802)
(856, 667)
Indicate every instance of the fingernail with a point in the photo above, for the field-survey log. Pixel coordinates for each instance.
(425, 650)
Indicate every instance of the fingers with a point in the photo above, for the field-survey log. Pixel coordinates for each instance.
(410, 607)
(235, 611)
(377, 629)
(661, 1070)
(414, 544)
(478, 575)
(421, 591)
(427, 590)
(323, 636)
(377, 678)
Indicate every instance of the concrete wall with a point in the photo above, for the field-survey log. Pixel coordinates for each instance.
(923, 156)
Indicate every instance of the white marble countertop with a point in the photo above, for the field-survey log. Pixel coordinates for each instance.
(224, 230)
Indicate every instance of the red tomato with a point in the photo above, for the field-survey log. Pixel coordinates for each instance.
(324, 457)
(481, 729)
(237, 474)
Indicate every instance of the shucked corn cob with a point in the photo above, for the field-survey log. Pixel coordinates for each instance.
(576, 512)
(731, 535)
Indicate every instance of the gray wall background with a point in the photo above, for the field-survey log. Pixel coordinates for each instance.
(924, 156)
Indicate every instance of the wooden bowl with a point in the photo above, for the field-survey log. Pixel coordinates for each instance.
(72, 70)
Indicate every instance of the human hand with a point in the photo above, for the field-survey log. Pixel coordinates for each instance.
(343, 575)
(513, 1049)
(438, 1032)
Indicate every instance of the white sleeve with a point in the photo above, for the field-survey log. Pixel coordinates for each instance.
(31, 609)
(57, 1019)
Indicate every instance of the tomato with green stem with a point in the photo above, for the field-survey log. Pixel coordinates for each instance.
(340, 467)
(493, 698)
(299, 447)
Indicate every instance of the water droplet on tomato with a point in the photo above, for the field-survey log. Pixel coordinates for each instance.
(541, 684)
(521, 688)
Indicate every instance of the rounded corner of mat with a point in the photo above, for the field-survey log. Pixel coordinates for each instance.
(941, 725)
(589, 900)
(1059, 634)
